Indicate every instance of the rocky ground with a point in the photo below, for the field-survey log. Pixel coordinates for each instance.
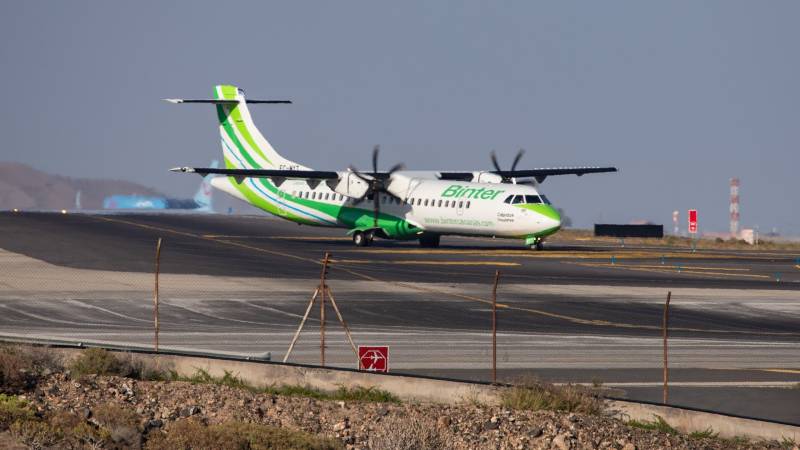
(160, 406)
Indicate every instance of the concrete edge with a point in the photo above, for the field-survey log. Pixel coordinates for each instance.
(688, 421)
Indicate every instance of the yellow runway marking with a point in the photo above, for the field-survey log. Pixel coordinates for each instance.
(668, 269)
(525, 253)
(288, 238)
(781, 370)
(423, 288)
(428, 263)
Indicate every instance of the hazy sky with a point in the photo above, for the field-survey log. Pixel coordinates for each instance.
(679, 95)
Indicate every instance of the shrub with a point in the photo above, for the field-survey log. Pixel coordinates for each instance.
(21, 366)
(542, 396)
(405, 433)
(111, 416)
(99, 361)
(12, 409)
(62, 430)
(236, 435)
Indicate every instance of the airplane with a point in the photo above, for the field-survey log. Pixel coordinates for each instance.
(393, 204)
(201, 202)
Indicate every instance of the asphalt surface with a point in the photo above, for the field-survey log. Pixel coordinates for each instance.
(261, 246)
(572, 313)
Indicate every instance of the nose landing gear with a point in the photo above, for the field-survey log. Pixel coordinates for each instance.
(536, 244)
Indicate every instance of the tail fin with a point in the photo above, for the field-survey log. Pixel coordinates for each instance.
(203, 196)
(243, 146)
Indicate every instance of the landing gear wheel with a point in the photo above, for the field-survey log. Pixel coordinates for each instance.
(361, 239)
(538, 245)
(429, 241)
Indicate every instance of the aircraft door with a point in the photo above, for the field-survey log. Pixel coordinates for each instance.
(460, 207)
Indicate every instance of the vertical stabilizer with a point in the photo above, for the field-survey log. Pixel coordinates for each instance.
(243, 145)
(203, 196)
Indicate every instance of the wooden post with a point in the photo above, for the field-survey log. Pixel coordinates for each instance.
(155, 295)
(322, 290)
(665, 333)
(494, 326)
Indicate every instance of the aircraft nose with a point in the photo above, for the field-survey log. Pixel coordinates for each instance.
(554, 217)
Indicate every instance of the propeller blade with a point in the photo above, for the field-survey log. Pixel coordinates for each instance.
(360, 175)
(377, 203)
(396, 167)
(517, 158)
(375, 151)
(494, 161)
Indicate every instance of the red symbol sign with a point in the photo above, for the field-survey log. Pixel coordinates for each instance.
(692, 221)
(373, 358)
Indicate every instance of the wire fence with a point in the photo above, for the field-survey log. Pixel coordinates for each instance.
(441, 329)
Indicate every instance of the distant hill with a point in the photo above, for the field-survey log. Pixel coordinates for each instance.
(24, 187)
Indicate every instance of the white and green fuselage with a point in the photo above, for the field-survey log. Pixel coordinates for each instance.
(426, 205)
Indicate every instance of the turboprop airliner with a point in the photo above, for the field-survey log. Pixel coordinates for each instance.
(393, 204)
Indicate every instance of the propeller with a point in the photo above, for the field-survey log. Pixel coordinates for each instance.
(517, 158)
(378, 183)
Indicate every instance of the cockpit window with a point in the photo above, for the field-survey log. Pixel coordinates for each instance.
(518, 199)
(532, 199)
(546, 201)
(508, 199)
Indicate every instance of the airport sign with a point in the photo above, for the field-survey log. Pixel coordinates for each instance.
(692, 221)
(373, 358)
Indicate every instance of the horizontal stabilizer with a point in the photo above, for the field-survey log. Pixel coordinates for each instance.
(260, 173)
(225, 102)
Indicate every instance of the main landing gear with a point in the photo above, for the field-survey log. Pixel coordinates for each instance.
(429, 241)
(363, 238)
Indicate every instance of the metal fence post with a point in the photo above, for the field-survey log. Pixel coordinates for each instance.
(155, 294)
(665, 333)
(494, 326)
(322, 289)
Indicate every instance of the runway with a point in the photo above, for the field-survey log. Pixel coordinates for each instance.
(573, 312)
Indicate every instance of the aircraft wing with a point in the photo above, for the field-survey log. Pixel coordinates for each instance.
(538, 174)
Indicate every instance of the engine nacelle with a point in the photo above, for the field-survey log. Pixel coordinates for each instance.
(486, 177)
(349, 185)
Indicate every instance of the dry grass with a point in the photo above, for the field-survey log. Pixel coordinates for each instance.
(405, 433)
(534, 395)
(191, 434)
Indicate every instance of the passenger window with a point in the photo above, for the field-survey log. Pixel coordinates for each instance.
(313, 196)
(461, 204)
(454, 204)
(509, 199)
(468, 202)
(426, 202)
